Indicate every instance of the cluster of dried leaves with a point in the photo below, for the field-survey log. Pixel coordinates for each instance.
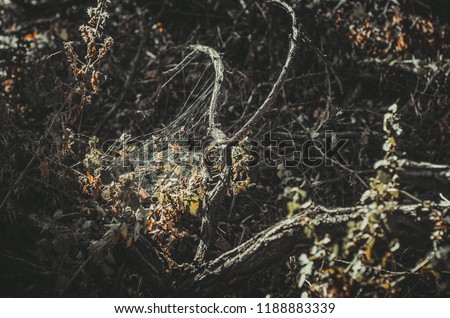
(86, 71)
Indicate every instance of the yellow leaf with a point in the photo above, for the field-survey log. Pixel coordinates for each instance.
(394, 192)
(90, 177)
(193, 207)
(242, 187)
(392, 141)
(379, 187)
(369, 249)
(292, 207)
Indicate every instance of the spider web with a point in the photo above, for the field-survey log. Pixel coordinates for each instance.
(174, 150)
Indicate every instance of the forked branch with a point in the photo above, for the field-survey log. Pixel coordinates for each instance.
(209, 219)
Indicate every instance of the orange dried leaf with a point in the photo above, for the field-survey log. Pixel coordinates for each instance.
(159, 28)
(30, 36)
(90, 177)
(401, 44)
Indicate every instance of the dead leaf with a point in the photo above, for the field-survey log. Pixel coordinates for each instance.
(143, 193)
(90, 177)
(30, 36)
(193, 207)
(95, 82)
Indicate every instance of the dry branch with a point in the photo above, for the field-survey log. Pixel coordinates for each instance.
(268, 248)
(425, 174)
(270, 100)
(214, 196)
(209, 217)
(218, 81)
(225, 273)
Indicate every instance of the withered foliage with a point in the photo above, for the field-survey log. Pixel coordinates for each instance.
(103, 191)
